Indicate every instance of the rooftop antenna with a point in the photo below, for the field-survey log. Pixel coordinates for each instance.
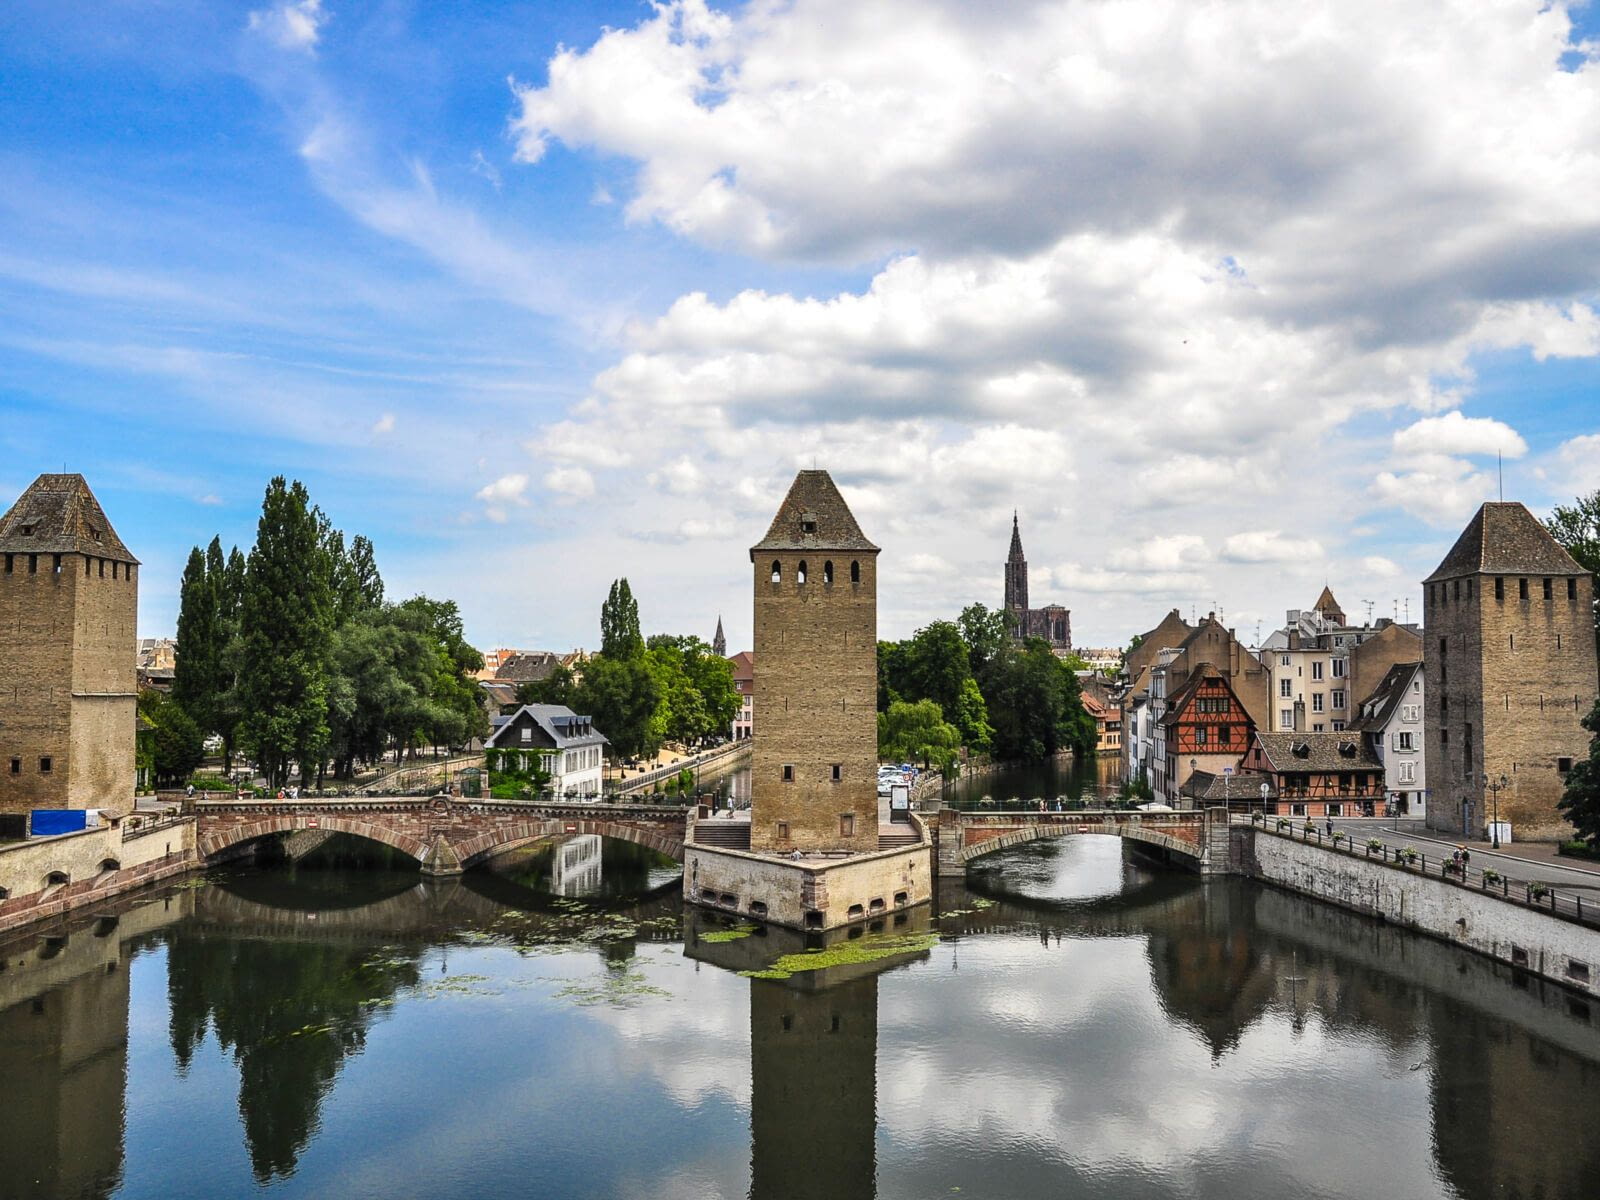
(1500, 470)
(1368, 603)
(1408, 609)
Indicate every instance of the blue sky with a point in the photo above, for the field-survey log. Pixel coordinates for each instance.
(1228, 303)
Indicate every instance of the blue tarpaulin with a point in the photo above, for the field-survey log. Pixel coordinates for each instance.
(47, 821)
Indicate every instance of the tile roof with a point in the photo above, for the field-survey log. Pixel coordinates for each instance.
(814, 516)
(554, 719)
(1178, 703)
(1505, 539)
(1241, 785)
(61, 516)
(1346, 750)
(525, 668)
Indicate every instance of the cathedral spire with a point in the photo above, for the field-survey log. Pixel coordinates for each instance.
(1016, 571)
(719, 643)
(1016, 540)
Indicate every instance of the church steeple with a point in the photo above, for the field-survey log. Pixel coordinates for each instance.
(1016, 571)
(719, 643)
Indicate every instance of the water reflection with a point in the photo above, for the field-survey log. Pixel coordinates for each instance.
(1085, 1026)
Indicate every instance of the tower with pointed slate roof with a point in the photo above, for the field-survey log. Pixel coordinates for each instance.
(68, 605)
(814, 768)
(719, 640)
(1053, 622)
(1016, 575)
(1509, 666)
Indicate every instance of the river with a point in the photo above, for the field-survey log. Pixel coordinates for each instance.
(1069, 1024)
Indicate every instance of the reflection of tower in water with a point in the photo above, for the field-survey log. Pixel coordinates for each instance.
(813, 1090)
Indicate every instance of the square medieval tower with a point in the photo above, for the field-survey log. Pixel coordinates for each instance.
(1509, 657)
(69, 600)
(816, 677)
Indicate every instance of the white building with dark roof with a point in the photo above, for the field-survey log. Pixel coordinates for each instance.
(1391, 721)
(573, 748)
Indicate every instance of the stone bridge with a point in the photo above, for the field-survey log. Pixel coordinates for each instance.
(1197, 840)
(445, 834)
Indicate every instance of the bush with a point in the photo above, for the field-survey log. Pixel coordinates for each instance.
(210, 783)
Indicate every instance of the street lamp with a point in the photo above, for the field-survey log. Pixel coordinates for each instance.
(1494, 786)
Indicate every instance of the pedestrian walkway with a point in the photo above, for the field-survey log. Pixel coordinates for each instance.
(1530, 862)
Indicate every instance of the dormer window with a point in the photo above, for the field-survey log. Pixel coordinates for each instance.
(27, 531)
(808, 523)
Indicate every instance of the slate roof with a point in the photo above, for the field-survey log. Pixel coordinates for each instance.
(1386, 697)
(814, 500)
(1323, 751)
(1240, 786)
(1505, 539)
(555, 720)
(62, 517)
(1015, 554)
(1326, 603)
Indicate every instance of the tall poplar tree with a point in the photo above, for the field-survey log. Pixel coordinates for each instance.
(195, 677)
(619, 624)
(285, 627)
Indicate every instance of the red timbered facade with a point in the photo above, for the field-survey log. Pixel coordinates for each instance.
(1318, 774)
(1206, 729)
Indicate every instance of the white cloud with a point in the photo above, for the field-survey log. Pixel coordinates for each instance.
(1443, 491)
(384, 424)
(1456, 434)
(572, 482)
(500, 495)
(1269, 546)
(1573, 468)
(681, 477)
(1162, 553)
(1379, 566)
(296, 25)
(210, 499)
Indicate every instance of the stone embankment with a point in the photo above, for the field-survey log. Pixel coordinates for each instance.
(45, 877)
(1495, 917)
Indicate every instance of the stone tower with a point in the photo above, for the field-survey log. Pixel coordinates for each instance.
(1509, 660)
(1016, 575)
(68, 605)
(719, 641)
(814, 784)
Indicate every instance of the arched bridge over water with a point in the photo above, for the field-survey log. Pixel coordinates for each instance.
(1195, 840)
(445, 834)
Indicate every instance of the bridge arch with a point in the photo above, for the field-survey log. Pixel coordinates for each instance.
(1166, 835)
(215, 841)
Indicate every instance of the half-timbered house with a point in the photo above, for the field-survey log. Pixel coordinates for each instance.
(1319, 774)
(1206, 728)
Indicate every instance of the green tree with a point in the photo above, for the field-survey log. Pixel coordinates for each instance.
(622, 696)
(1577, 528)
(917, 732)
(286, 624)
(698, 698)
(1581, 799)
(936, 666)
(197, 677)
(177, 742)
(971, 717)
(619, 623)
(987, 633)
(1036, 705)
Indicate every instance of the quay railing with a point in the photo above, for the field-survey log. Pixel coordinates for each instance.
(1489, 881)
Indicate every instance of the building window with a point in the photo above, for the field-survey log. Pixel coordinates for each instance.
(1469, 589)
(527, 733)
(1338, 698)
(855, 571)
(1297, 810)
(783, 831)
(1499, 588)
(838, 772)
(800, 572)
(1457, 589)
(1283, 660)
(1224, 734)
(1200, 736)
(16, 766)
(44, 765)
(33, 564)
(788, 772)
(1404, 740)
(1408, 772)
(808, 524)
(827, 573)
(1548, 594)
(1563, 765)
(847, 825)
(1316, 670)
(1522, 589)
(1338, 667)
(777, 571)
(1572, 584)
(1285, 688)
(1316, 701)
(1286, 718)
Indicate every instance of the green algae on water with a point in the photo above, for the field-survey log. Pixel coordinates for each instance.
(728, 935)
(866, 950)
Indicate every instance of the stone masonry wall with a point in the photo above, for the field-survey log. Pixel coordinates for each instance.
(141, 856)
(1523, 673)
(68, 692)
(816, 699)
(1548, 946)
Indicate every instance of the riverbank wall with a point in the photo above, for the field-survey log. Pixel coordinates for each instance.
(1519, 935)
(46, 877)
(717, 762)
